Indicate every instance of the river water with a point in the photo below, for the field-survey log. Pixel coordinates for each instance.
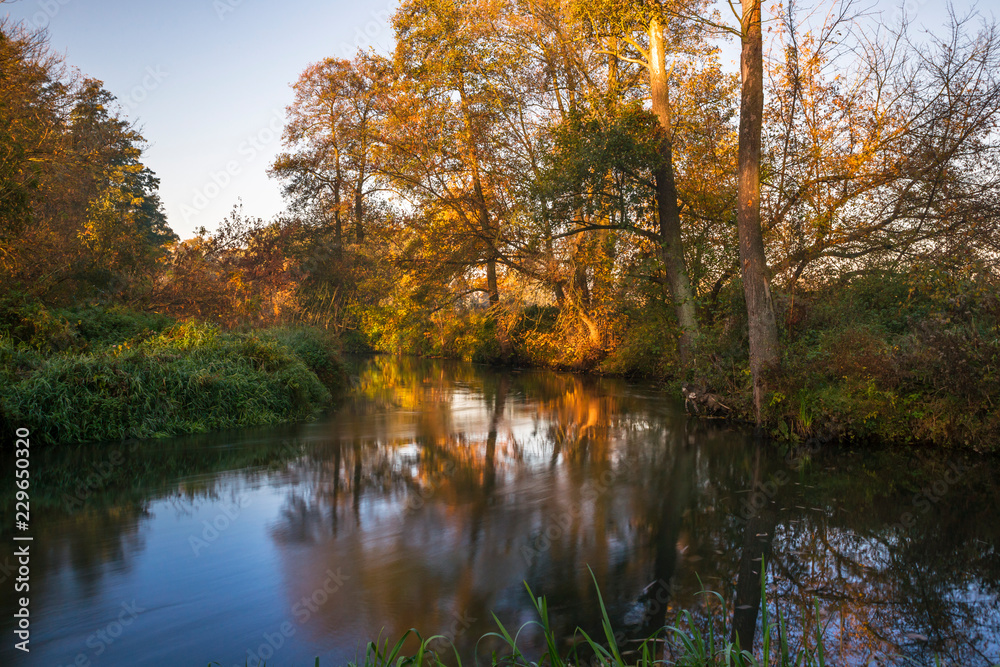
(437, 491)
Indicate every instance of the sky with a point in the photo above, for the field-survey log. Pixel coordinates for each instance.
(208, 81)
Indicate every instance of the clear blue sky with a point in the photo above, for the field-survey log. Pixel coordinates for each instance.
(207, 81)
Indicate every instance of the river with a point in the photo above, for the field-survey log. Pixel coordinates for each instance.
(436, 491)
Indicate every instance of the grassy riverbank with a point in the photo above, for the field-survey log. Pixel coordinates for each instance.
(90, 374)
(697, 638)
(904, 358)
(686, 642)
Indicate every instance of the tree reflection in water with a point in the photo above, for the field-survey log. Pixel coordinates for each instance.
(439, 488)
(474, 481)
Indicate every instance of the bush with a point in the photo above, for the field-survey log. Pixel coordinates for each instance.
(316, 348)
(898, 357)
(17, 361)
(648, 348)
(28, 322)
(189, 378)
(99, 325)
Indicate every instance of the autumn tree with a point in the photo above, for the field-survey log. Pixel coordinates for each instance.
(80, 211)
(440, 136)
(30, 117)
(885, 158)
(762, 325)
(655, 36)
(328, 168)
(242, 272)
(124, 227)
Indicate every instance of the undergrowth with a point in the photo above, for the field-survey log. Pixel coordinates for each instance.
(93, 375)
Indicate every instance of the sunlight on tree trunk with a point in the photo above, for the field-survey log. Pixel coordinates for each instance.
(753, 265)
(671, 248)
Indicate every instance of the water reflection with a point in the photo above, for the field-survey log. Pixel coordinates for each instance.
(438, 489)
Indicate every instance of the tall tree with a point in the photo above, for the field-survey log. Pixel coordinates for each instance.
(649, 34)
(672, 249)
(443, 128)
(753, 264)
(79, 211)
(125, 223)
(328, 166)
(884, 159)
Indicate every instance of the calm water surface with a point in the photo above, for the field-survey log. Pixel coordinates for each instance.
(438, 489)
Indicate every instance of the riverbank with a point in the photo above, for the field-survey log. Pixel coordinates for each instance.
(104, 374)
(895, 358)
(898, 358)
(679, 641)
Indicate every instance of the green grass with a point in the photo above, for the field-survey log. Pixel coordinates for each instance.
(28, 323)
(187, 378)
(317, 349)
(680, 645)
(99, 326)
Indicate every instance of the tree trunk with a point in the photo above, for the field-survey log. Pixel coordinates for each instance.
(671, 248)
(359, 212)
(613, 77)
(491, 281)
(559, 293)
(482, 210)
(580, 283)
(580, 261)
(338, 225)
(753, 265)
(485, 226)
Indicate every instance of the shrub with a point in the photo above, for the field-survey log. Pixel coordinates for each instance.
(894, 356)
(316, 348)
(100, 325)
(190, 378)
(28, 322)
(16, 361)
(648, 347)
